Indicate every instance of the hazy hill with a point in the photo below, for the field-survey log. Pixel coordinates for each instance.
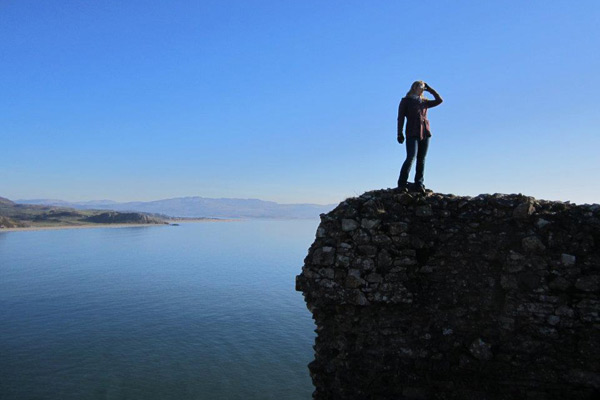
(5, 221)
(199, 207)
(5, 201)
(14, 215)
(63, 203)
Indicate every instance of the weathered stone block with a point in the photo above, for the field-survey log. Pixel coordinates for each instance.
(533, 244)
(369, 223)
(481, 350)
(324, 256)
(374, 278)
(524, 210)
(424, 211)
(568, 259)
(590, 283)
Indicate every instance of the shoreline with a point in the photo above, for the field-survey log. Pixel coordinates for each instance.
(88, 226)
(194, 220)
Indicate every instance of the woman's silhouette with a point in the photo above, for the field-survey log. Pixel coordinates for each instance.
(414, 107)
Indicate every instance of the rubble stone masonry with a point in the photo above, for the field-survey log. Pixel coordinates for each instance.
(432, 296)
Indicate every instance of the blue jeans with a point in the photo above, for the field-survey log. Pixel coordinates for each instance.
(417, 147)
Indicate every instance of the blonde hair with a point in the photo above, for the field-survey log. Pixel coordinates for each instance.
(413, 89)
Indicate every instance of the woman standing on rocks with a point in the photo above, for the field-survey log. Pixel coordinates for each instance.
(414, 107)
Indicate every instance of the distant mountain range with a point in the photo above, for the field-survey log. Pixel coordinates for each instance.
(199, 207)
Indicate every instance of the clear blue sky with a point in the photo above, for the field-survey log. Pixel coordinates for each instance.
(295, 101)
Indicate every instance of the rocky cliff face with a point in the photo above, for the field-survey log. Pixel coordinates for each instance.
(444, 297)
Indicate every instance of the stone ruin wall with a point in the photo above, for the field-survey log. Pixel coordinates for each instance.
(444, 297)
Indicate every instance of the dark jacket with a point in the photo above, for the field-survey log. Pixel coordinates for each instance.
(415, 112)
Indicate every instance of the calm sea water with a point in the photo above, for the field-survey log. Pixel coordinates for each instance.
(196, 311)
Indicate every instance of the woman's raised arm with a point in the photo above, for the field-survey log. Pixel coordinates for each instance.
(438, 99)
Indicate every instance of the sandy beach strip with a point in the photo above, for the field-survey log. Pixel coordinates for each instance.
(86, 226)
